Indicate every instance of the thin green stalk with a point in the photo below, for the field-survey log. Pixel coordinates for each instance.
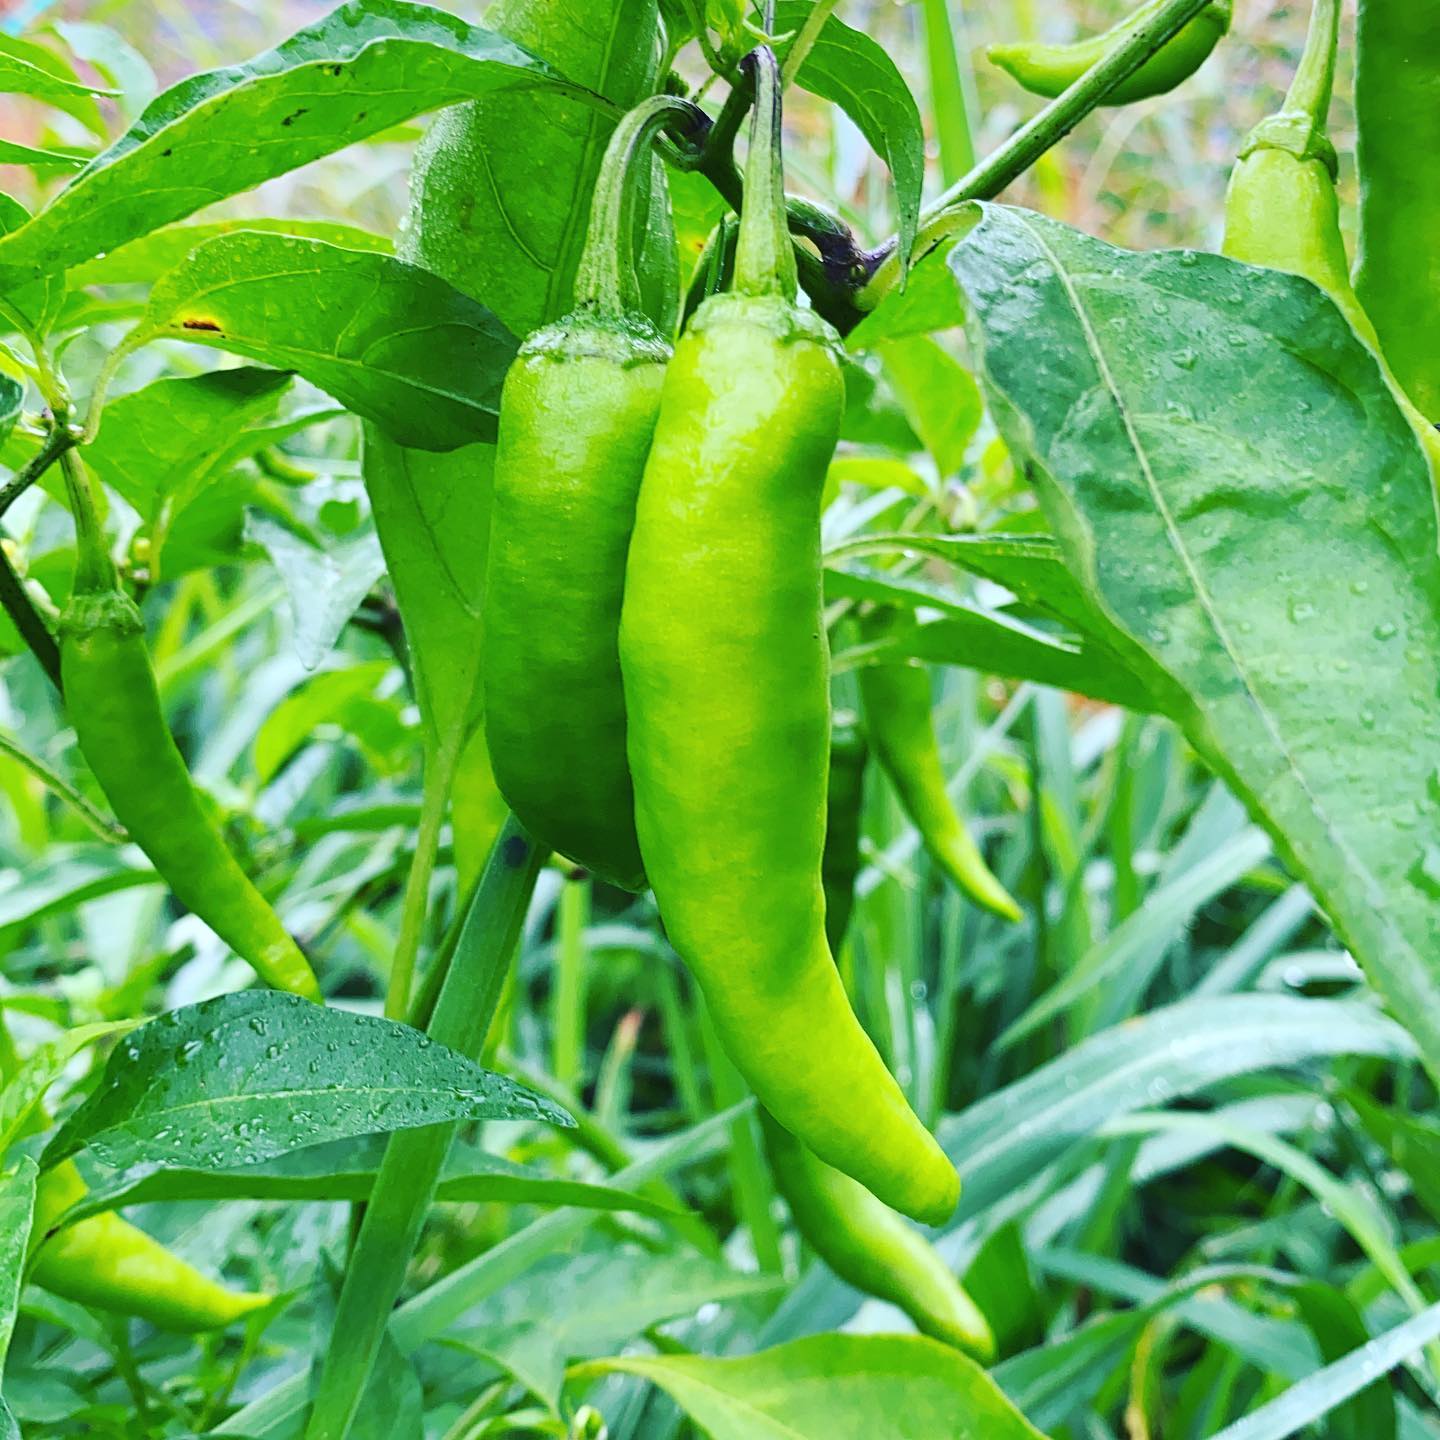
(440, 766)
(804, 42)
(567, 1001)
(103, 825)
(27, 620)
(950, 95)
(945, 217)
(405, 1185)
(59, 439)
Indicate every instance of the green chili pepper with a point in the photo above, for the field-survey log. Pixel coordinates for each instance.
(114, 705)
(1397, 103)
(896, 699)
(109, 1264)
(106, 1262)
(1281, 209)
(1052, 69)
(722, 646)
(576, 420)
(869, 1245)
(844, 813)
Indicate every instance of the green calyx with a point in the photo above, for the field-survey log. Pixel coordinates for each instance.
(628, 338)
(1299, 125)
(775, 313)
(109, 610)
(764, 257)
(606, 283)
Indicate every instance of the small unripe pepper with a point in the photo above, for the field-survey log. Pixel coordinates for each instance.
(722, 646)
(1052, 69)
(896, 697)
(109, 1264)
(576, 420)
(114, 704)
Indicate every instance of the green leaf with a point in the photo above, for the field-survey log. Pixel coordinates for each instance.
(161, 445)
(390, 341)
(1283, 571)
(13, 153)
(1317, 1395)
(144, 261)
(12, 400)
(1004, 1139)
(930, 301)
(9, 1426)
(321, 700)
(856, 73)
(1412, 1143)
(325, 582)
(1001, 1282)
(1164, 916)
(34, 305)
(344, 1171)
(17, 1212)
(65, 878)
(939, 395)
(29, 68)
(500, 190)
(42, 1068)
(366, 66)
(433, 516)
(610, 1296)
(985, 640)
(834, 1387)
(1033, 569)
(1339, 1328)
(249, 1076)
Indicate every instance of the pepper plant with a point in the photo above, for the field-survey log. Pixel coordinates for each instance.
(677, 764)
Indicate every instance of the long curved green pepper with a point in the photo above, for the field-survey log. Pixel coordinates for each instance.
(844, 815)
(896, 700)
(722, 645)
(872, 1247)
(1397, 104)
(114, 705)
(576, 419)
(1052, 69)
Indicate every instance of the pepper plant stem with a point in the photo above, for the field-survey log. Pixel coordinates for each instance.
(410, 1170)
(941, 219)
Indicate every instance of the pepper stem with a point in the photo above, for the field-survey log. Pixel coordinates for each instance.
(94, 569)
(1299, 125)
(764, 258)
(606, 281)
(1314, 81)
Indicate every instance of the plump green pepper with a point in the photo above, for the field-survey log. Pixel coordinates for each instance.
(109, 1264)
(844, 815)
(896, 698)
(722, 646)
(576, 420)
(872, 1247)
(1281, 209)
(114, 705)
(1397, 104)
(1051, 69)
